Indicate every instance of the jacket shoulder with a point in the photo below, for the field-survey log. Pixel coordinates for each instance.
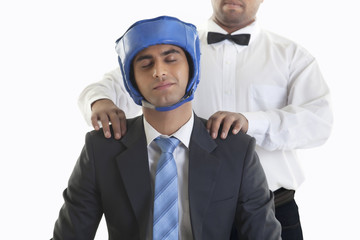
(243, 137)
(98, 141)
(100, 133)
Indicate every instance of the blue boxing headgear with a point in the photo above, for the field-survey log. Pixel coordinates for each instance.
(160, 30)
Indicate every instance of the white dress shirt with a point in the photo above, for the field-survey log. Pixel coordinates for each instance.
(273, 81)
(181, 156)
(278, 86)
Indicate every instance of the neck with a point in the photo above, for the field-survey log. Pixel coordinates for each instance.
(230, 28)
(168, 122)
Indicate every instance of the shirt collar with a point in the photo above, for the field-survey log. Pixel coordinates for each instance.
(253, 29)
(183, 134)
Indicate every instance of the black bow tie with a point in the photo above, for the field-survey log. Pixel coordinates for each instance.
(241, 39)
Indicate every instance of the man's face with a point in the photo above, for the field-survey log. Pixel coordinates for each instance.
(235, 13)
(161, 74)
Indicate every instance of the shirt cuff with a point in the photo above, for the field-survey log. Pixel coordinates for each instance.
(258, 123)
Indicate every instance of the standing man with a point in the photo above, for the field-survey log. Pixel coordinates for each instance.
(253, 80)
(166, 179)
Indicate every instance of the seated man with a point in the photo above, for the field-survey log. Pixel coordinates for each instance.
(200, 190)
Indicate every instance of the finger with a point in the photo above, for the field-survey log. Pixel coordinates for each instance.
(122, 119)
(244, 125)
(226, 125)
(241, 125)
(115, 123)
(208, 124)
(94, 121)
(105, 124)
(237, 126)
(215, 126)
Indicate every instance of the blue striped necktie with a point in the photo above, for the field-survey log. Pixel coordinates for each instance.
(165, 225)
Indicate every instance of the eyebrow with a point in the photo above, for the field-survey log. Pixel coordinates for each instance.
(170, 51)
(165, 53)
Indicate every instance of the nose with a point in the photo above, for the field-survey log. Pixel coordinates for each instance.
(160, 71)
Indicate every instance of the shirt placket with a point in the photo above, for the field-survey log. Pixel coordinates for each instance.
(229, 70)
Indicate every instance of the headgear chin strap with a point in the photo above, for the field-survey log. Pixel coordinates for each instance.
(160, 30)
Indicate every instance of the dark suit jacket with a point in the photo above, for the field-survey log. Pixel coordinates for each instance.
(227, 187)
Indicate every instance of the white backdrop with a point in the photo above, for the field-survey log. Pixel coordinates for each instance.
(50, 50)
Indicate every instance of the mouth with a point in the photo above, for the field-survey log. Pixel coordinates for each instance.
(232, 4)
(163, 86)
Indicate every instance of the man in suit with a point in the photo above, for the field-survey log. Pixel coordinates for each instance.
(220, 183)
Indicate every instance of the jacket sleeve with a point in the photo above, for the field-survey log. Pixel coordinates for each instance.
(81, 213)
(255, 214)
(111, 86)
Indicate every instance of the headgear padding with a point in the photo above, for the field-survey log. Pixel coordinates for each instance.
(160, 30)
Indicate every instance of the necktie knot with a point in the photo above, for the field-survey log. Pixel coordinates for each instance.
(167, 145)
(240, 39)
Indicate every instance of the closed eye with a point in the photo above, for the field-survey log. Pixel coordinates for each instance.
(170, 58)
(146, 63)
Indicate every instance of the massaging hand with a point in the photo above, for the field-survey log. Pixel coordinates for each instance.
(105, 111)
(227, 120)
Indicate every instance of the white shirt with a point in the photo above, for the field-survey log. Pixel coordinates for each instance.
(181, 156)
(274, 82)
(278, 86)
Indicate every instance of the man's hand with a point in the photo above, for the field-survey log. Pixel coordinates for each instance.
(105, 111)
(227, 120)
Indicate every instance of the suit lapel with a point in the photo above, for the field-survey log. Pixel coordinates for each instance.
(203, 169)
(134, 168)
